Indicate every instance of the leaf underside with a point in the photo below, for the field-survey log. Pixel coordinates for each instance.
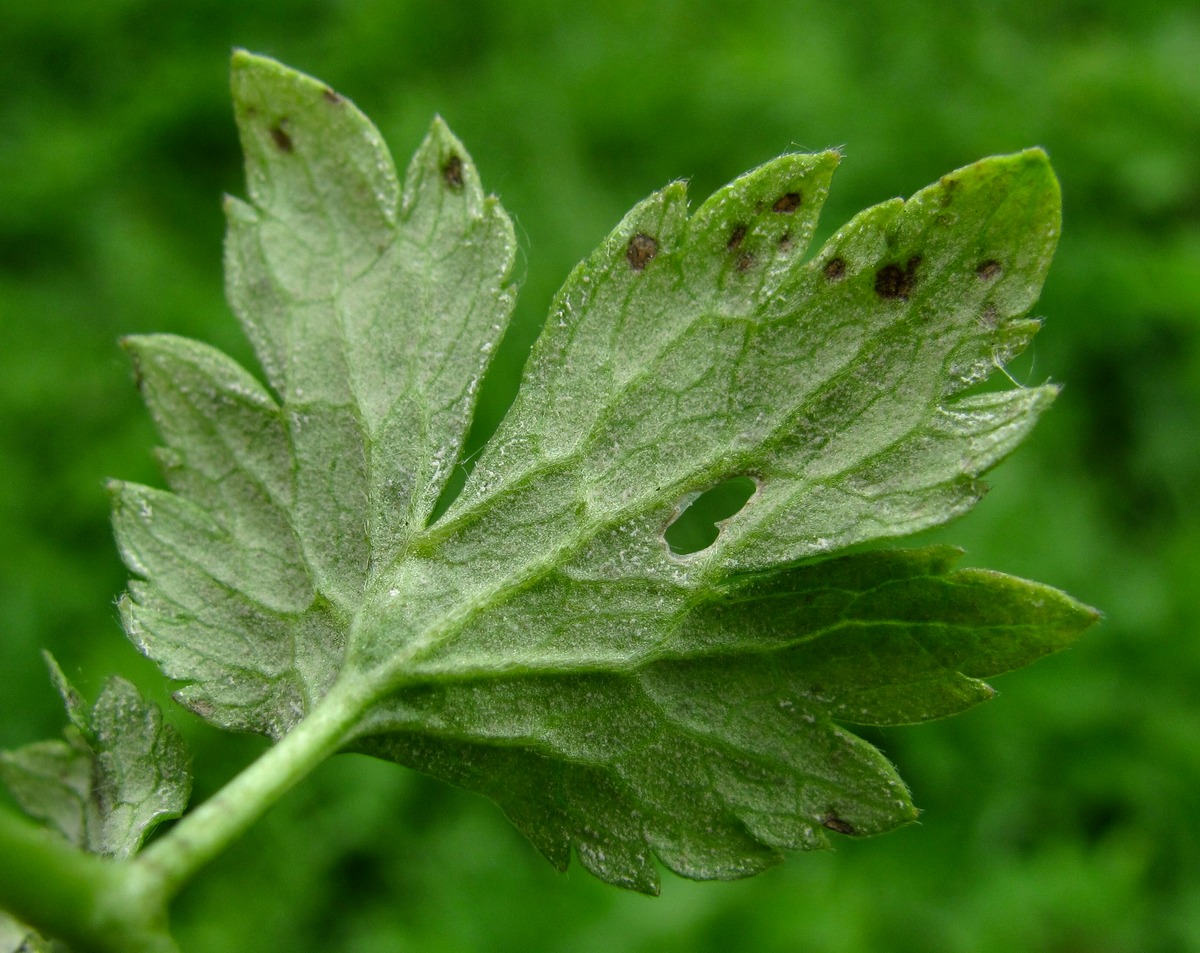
(118, 773)
(539, 641)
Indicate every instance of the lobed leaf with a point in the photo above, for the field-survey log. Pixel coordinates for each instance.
(541, 642)
(726, 746)
(118, 774)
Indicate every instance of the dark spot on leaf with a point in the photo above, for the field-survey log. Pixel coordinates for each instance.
(785, 242)
(745, 262)
(787, 203)
(892, 281)
(835, 823)
(452, 171)
(331, 96)
(988, 270)
(949, 187)
(139, 376)
(279, 135)
(641, 249)
(198, 706)
(835, 269)
(736, 237)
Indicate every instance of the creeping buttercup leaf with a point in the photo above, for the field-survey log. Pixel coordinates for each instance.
(541, 641)
(118, 773)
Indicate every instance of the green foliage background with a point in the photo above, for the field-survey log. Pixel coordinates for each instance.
(1059, 818)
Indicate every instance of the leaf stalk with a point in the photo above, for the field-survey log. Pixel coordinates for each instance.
(203, 833)
(94, 904)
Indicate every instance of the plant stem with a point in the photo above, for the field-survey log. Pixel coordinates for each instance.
(111, 906)
(206, 831)
(88, 901)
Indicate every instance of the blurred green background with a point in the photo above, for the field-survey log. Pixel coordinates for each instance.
(1062, 817)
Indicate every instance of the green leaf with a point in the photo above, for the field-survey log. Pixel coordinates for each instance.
(549, 640)
(15, 937)
(725, 746)
(120, 772)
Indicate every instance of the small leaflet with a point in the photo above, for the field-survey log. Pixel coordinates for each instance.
(118, 772)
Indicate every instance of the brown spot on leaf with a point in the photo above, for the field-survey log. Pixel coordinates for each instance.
(641, 249)
(331, 96)
(990, 316)
(785, 242)
(949, 187)
(139, 376)
(452, 171)
(199, 706)
(988, 270)
(787, 203)
(892, 281)
(736, 237)
(745, 262)
(279, 135)
(835, 269)
(835, 823)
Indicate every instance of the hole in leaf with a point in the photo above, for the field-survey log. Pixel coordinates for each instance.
(695, 528)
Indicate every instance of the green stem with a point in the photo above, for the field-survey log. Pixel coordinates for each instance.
(92, 903)
(107, 906)
(205, 832)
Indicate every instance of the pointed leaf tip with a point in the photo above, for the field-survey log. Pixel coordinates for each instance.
(119, 772)
(309, 151)
(72, 700)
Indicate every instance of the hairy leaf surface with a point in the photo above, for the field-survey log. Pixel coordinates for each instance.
(119, 772)
(541, 641)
